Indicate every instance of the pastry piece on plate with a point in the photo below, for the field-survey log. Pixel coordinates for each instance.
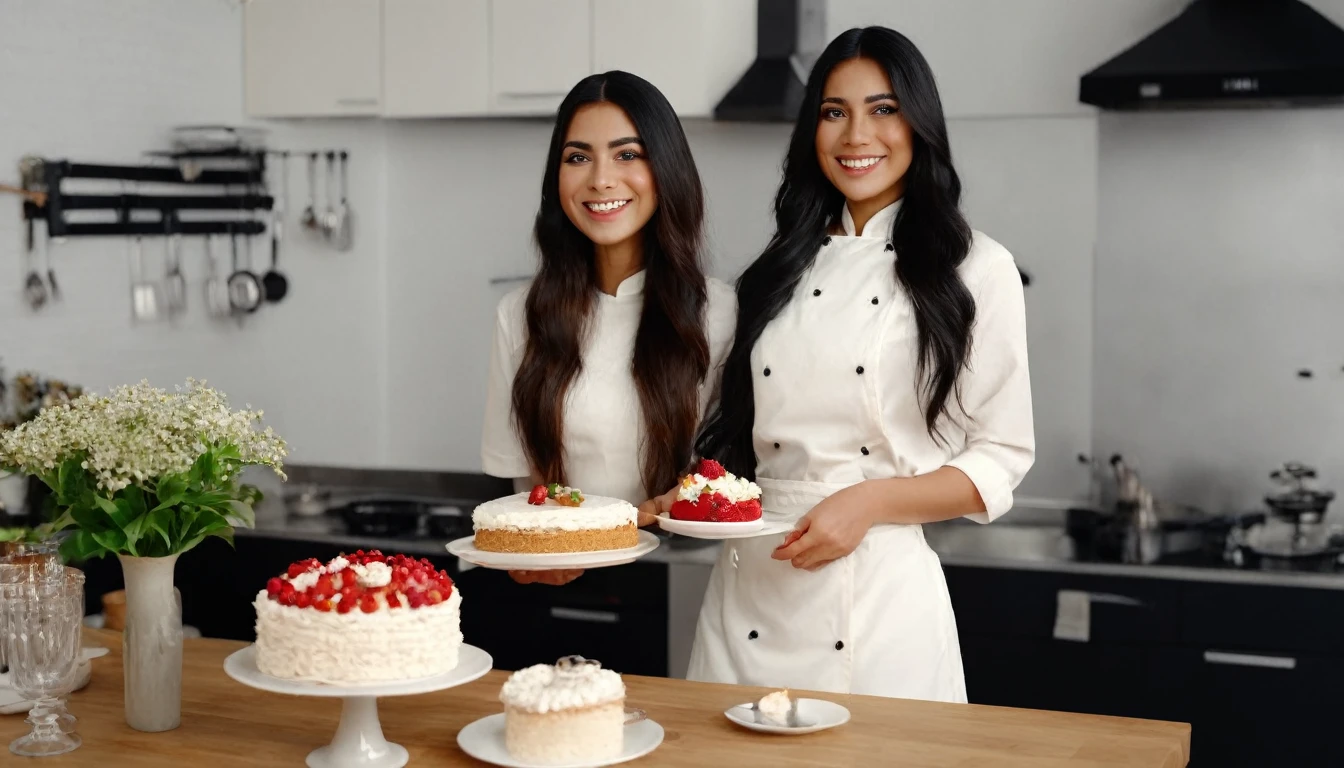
(714, 495)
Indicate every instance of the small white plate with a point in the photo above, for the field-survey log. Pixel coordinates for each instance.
(484, 740)
(702, 530)
(551, 561)
(818, 713)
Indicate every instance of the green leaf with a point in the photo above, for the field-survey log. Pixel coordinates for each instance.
(203, 469)
(170, 490)
(223, 533)
(118, 514)
(64, 521)
(160, 520)
(135, 496)
(113, 540)
(190, 543)
(133, 531)
(81, 546)
(241, 515)
(92, 518)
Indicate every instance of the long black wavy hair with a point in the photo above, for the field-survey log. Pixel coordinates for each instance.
(930, 234)
(671, 351)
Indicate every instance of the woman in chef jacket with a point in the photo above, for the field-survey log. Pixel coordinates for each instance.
(877, 381)
(602, 365)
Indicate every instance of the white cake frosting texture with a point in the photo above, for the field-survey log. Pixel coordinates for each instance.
(733, 488)
(514, 513)
(572, 713)
(774, 707)
(366, 619)
(303, 644)
(546, 688)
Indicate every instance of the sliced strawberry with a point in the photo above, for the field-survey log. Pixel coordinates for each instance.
(303, 600)
(273, 587)
(345, 606)
(538, 496)
(710, 469)
(294, 570)
(368, 604)
(689, 510)
(741, 512)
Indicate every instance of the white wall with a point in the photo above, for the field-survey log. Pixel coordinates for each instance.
(1220, 273)
(102, 83)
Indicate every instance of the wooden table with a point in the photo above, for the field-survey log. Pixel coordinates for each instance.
(225, 723)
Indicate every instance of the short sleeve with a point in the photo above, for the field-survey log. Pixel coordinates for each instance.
(501, 451)
(996, 388)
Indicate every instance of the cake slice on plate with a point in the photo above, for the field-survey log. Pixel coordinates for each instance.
(714, 495)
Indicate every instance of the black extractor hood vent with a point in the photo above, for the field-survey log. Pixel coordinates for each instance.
(1227, 53)
(790, 35)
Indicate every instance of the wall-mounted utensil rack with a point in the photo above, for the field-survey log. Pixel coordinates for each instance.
(250, 175)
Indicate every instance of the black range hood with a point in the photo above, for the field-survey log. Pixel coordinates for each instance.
(1226, 53)
(790, 35)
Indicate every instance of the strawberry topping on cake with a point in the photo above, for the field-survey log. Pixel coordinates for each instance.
(364, 581)
(714, 495)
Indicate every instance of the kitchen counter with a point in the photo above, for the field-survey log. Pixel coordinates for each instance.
(224, 721)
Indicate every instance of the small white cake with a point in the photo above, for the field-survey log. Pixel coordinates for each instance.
(361, 618)
(572, 712)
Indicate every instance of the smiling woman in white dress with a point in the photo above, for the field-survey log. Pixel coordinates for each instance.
(602, 366)
(878, 380)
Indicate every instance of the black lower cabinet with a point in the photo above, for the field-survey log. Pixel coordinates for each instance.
(615, 615)
(1254, 669)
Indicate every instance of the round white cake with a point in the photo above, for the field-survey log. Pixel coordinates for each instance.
(572, 712)
(534, 522)
(359, 618)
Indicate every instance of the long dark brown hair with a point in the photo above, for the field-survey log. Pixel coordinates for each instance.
(671, 352)
(929, 233)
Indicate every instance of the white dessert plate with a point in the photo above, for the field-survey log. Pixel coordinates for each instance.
(11, 703)
(815, 714)
(484, 740)
(702, 530)
(472, 663)
(551, 561)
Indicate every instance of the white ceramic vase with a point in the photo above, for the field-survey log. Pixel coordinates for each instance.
(152, 644)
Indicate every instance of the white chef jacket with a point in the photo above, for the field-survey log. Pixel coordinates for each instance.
(603, 420)
(837, 403)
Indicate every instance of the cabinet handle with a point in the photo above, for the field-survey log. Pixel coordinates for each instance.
(579, 614)
(1112, 599)
(1250, 660)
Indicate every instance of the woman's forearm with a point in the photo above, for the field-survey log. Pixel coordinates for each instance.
(943, 494)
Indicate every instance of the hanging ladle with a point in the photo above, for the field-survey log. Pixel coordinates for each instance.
(275, 283)
(244, 287)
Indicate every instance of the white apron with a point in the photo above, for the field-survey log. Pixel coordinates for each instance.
(877, 622)
(836, 404)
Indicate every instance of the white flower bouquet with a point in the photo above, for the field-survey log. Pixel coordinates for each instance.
(144, 472)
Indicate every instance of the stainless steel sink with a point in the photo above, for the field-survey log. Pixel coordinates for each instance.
(999, 541)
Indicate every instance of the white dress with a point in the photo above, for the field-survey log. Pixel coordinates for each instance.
(603, 423)
(836, 404)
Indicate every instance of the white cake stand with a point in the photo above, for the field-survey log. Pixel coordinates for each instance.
(359, 741)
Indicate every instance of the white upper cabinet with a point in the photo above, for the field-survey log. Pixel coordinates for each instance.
(306, 58)
(471, 58)
(691, 50)
(538, 50)
(436, 58)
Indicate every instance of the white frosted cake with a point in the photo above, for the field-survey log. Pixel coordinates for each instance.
(555, 518)
(361, 618)
(572, 712)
